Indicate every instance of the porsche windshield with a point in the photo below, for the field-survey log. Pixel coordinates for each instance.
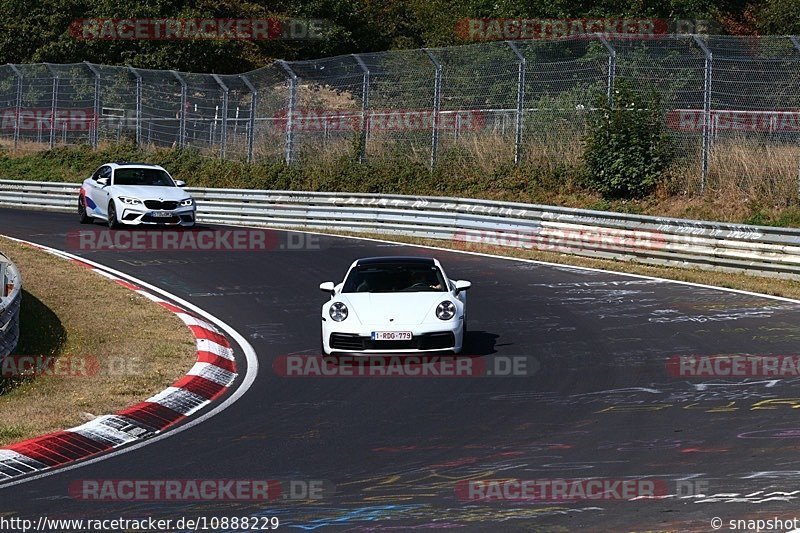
(395, 277)
(142, 176)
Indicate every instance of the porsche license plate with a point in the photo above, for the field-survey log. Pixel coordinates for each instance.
(391, 335)
(161, 214)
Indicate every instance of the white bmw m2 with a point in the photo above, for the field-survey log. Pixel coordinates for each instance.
(394, 305)
(135, 194)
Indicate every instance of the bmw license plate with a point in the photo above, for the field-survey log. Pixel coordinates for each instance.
(391, 335)
(161, 214)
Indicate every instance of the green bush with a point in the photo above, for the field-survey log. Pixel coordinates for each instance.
(627, 148)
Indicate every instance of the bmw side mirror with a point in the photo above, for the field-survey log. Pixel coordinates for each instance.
(180, 183)
(328, 286)
(102, 181)
(462, 285)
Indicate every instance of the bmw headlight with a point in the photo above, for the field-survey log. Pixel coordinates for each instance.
(445, 310)
(187, 202)
(130, 201)
(338, 311)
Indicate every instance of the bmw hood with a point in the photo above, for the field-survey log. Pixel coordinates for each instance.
(394, 308)
(149, 192)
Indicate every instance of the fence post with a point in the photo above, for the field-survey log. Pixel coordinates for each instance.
(437, 100)
(96, 110)
(364, 108)
(523, 63)
(53, 104)
(251, 130)
(612, 68)
(224, 136)
(706, 111)
(291, 111)
(138, 104)
(18, 104)
(184, 103)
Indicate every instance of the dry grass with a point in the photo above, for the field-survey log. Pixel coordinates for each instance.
(741, 170)
(746, 282)
(79, 316)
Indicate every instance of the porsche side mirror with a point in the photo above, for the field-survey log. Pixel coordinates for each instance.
(180, 183)
(328, 286)
(462, 285)
(102, 181)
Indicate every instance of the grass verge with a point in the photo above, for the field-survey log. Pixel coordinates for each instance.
(113, 347)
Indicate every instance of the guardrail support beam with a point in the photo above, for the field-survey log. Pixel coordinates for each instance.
(292, 107)
(96, 110)
(138, 104)
(53, 104)
(17, 104)
(706, 150)
(224, 135)
(364, 109)
(612, 68)
(184, 105)
(437, 102)
(251, 131)
(523, 63)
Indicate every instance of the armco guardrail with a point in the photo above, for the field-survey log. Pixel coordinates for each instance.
(10, 298)
(668, 241)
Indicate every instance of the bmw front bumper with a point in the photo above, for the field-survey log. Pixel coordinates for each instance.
(136, 215)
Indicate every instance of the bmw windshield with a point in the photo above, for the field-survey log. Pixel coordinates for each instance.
(395, 277)
(143, 176)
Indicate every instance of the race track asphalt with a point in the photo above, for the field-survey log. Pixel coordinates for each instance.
(599, 401)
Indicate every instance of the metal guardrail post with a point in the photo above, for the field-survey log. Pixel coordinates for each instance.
(53, 104)
(523, 63)
(3, 282)
(437, 101)
(18, 103)
(96, 110)
(251, 132)
(364, 108)
(184, 105)
(291, 111)
(612, 68)
(138, 104)
(224, 136)
(706, 151)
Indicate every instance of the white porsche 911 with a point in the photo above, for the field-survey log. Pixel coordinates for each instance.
(394, 305)
(136, 194)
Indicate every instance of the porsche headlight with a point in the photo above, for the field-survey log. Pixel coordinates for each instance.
(338, 311)
(187, 202)
(130, 201)
(445, 310)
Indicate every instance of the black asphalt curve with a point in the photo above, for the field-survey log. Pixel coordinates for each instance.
(397, 453)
